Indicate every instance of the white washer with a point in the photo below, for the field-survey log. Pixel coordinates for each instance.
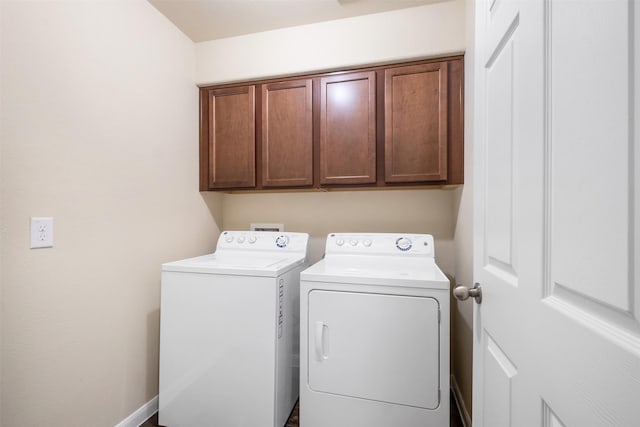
(374, 328)
(229, 332)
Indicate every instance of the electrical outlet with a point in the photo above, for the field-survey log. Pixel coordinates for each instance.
(41, 232)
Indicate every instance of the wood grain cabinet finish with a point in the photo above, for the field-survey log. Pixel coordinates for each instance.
(228, 132)
(381, 126)
(348, 128)
(287, 134)
(416, 112)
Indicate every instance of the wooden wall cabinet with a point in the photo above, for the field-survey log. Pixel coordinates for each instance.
(416, 112)
(287, 134)
(227, 136)
(383, 126)
(348, 128)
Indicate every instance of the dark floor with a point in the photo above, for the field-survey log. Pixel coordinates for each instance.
(293, 419)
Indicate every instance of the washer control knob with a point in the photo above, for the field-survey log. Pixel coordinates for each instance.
(282, 241)
(229, 239)
(366, 242)
(353, 242)
(241, 239)
(340, 242)
(403, 243)
(252, 239)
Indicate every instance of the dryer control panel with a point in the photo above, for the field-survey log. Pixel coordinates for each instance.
(380, 244)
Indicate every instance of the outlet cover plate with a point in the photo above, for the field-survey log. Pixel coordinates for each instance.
(41, 232)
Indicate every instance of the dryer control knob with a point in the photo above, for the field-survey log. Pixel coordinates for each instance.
(340, 242)
(366, 242)
(403, 243)
(282, 241)
(229, 239)
(241, 239)
(353, 242)
(252, 239)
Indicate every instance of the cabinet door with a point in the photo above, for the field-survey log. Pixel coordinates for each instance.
(415, 106)
(287, 134)
(229, 136)
(348, 129)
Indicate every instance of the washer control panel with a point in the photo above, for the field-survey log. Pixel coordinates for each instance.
(404, 243)
(380, 244)
(263, 241)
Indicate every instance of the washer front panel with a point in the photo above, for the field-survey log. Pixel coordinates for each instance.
(217, 348)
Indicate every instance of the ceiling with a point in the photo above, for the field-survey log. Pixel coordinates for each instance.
(203, 20)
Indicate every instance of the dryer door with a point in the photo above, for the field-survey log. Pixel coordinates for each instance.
(375, 346)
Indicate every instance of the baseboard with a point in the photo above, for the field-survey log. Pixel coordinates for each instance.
(459, 401)
(140, 415)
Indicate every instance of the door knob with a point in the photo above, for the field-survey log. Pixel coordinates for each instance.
(462, 293)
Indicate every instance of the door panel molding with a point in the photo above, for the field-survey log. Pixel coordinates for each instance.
(573, 182)
(620, 328)
(549, 418)
(500, 372)
(500, 153)
(572, 283)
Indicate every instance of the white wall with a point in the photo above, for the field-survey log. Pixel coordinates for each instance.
(99, 118)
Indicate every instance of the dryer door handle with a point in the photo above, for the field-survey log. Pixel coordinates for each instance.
(321, 328)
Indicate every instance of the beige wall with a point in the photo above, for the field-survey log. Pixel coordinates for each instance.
(462, 311)
(1, 202)
(320, 213)
(431, 30)
(99, 130)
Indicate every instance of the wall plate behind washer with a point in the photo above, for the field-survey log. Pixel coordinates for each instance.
(266, 227)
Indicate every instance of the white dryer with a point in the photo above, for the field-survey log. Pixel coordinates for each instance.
(374, 328)
(229, 332)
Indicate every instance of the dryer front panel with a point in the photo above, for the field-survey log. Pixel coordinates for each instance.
(374, 346)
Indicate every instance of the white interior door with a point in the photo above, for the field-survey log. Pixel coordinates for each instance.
(557, 213)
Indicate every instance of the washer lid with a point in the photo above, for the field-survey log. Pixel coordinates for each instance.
(238, 263)
(378, 270)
